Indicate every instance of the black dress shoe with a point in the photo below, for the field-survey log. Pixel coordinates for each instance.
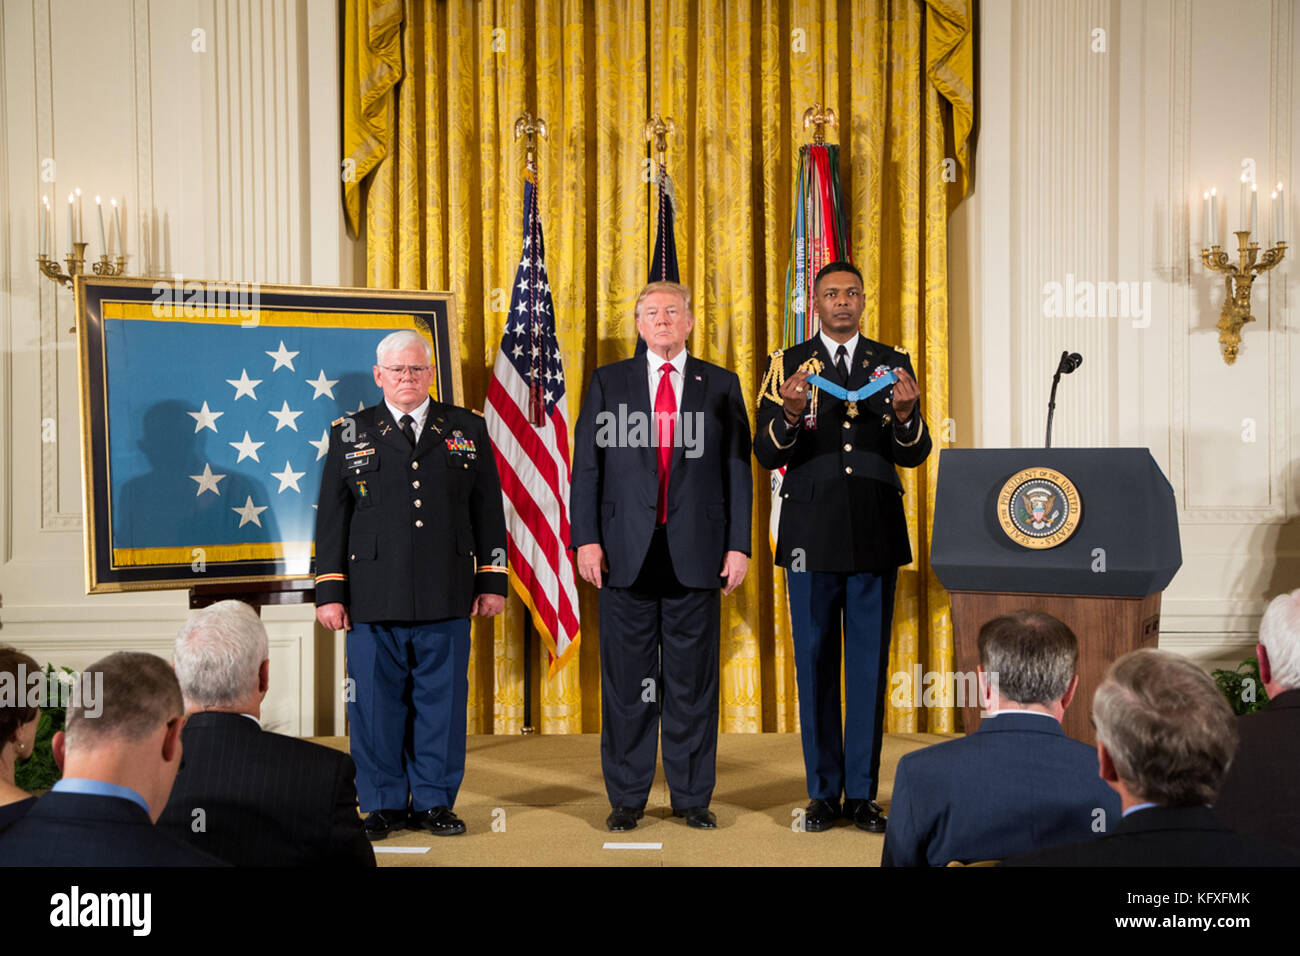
(869, 816)
(381, 823)
(701, 818)
(821, 815)
(623, 818)
(439, 821)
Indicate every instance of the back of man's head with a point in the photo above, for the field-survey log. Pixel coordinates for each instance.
(134, 696)
(1168, 730)
(1279, 632)
(218, 655)
(1028, 656)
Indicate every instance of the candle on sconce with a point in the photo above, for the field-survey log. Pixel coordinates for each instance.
(1214, 216)
(1281, 214)
(103, 238)
(118, 244)
(72, 236)
(45, 201)
(1243, 222)
(80, 223)
(1254, 213)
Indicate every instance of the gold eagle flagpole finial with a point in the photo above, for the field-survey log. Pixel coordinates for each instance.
(658, 129)
(529, 128)
(819, 119)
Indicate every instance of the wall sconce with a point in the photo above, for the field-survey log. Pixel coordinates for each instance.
(76, 256)
(1239, 278)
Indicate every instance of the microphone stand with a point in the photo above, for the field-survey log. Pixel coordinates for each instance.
(1051, 406)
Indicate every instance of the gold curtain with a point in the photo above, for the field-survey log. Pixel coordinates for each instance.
(442, 210)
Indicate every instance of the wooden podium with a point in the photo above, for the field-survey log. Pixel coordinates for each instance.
(1103, 580)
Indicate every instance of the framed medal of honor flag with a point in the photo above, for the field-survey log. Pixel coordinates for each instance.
(206, 410)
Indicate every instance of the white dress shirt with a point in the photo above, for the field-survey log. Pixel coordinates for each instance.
(419, 414)
(655, 364)
(832, 347)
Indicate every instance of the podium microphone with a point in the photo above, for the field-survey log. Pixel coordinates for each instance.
(1069, 362)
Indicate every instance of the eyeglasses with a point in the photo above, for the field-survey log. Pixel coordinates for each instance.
(397, 371)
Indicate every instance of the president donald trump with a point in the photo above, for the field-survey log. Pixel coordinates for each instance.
(660, 517)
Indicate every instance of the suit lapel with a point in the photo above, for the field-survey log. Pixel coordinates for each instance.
(694, 385)
(432, 434)
(637, 384)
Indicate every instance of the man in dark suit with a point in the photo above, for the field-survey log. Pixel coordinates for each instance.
(118, 752)
(1261, 793)
(660, 508)
(842, 535)
(410, 542)
(1017, 783)
(1165, 736)
(244, 795)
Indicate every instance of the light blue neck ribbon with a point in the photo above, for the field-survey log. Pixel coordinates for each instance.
(857, 395)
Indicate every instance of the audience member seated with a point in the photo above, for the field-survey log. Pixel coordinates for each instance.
(1261, 793)
(248, 796)
(1165, 736)
(17, 731)
(119, 754)
(1018, 782)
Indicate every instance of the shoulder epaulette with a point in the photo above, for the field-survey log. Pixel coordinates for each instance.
(338, 421)
(477, 412)
(770, 389)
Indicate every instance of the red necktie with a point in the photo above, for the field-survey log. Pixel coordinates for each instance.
(665, 411)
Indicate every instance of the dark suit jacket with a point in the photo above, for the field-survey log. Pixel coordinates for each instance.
(1261, 792)
(409, 534)
(841, 500)
(615, 487)
(75, 829)
(1018, 783)
(1164, 836)
(268, 799)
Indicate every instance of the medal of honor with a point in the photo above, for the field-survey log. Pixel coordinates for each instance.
(852, 398)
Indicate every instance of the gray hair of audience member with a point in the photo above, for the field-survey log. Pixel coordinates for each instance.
(1279, 632)
(1169, 731)
(138, 694)
(1032, 653)
(398, 341)
(218, 653)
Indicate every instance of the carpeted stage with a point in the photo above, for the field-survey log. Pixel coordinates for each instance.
(548, 802)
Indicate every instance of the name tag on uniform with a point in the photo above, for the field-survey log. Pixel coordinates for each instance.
(357, 460)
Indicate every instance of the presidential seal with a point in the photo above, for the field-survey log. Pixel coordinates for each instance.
(1039, 508)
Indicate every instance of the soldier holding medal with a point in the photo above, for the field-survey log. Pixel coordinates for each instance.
(829, 416)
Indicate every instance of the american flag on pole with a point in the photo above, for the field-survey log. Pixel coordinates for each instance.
(527, 419)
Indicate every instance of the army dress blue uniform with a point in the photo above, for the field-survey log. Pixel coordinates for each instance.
(842, 537)
(405, 538)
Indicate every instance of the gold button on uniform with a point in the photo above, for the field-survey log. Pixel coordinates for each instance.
(415, 464)
(848, 447)
(415, 484)
(416, 502)
(846, 424)
(848, 469)
(419, 524)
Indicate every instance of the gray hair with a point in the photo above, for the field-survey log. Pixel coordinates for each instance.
(218, 653)
(1279, 632)
(1033, 655)
(1169, 731)
(138, 694)
(404, 339)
